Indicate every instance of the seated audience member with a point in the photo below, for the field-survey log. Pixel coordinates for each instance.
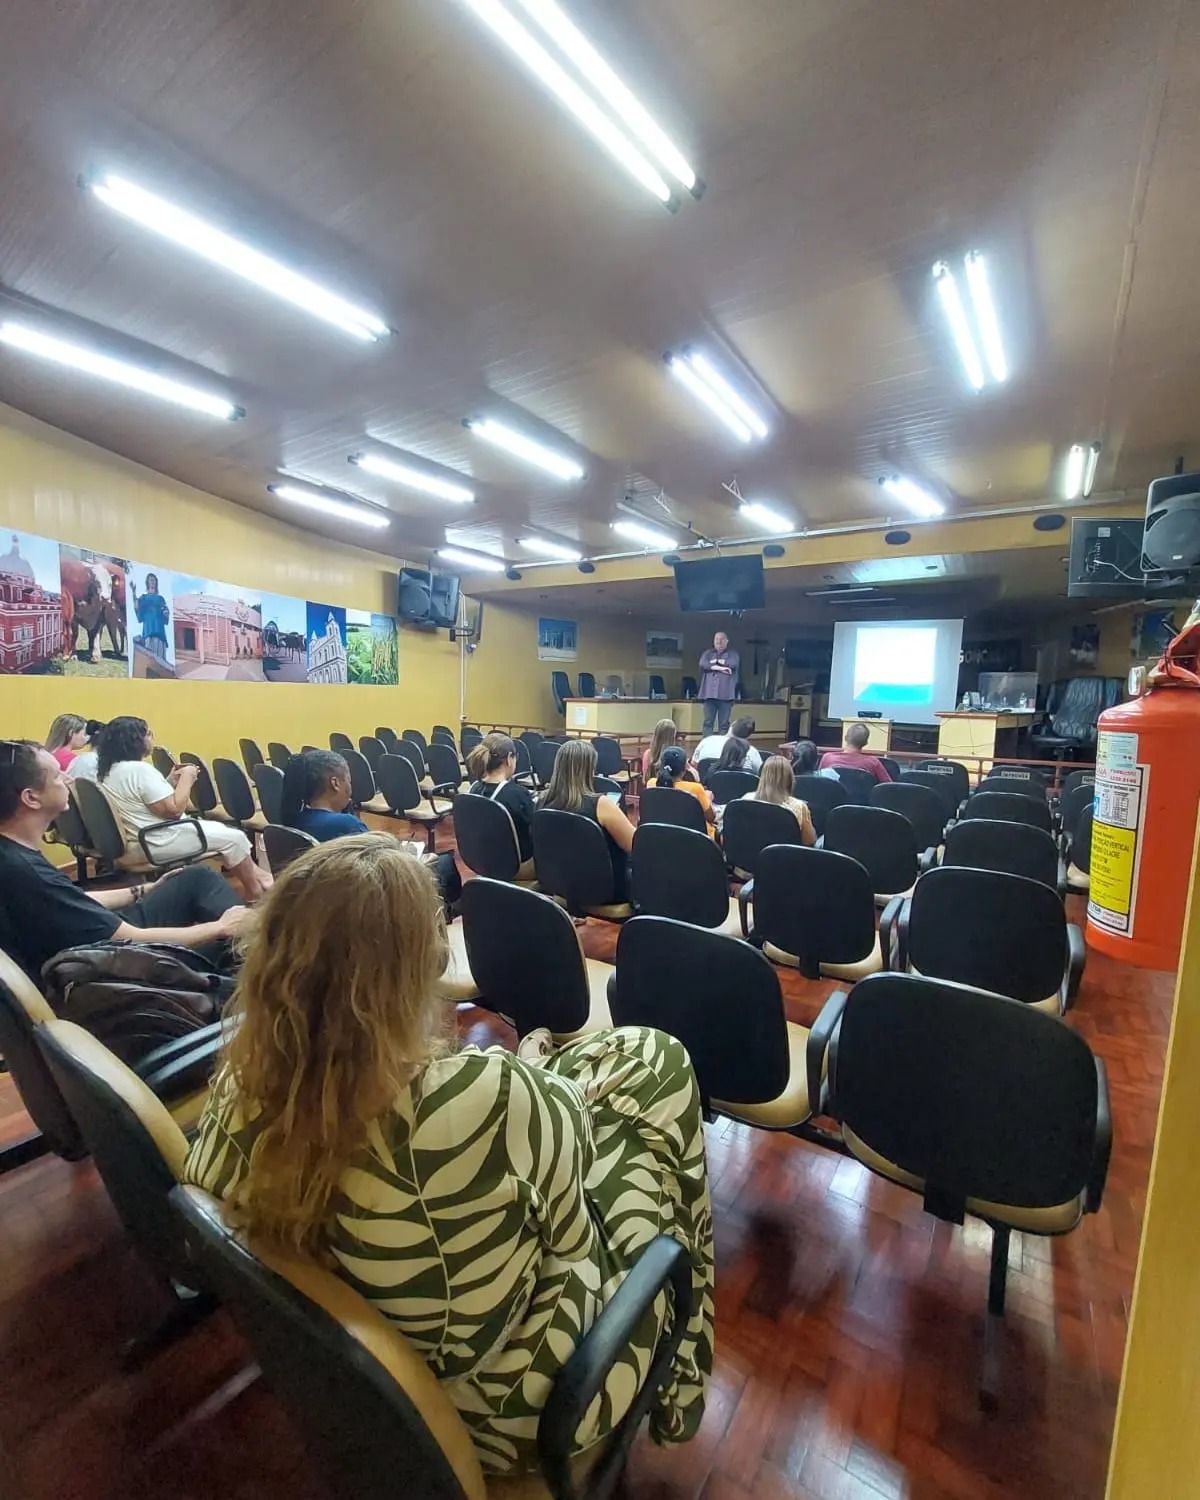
(853, 755)
(734, 756)
(316, 796)
(42, 912)
(492, 765)
(481, 1200)
(67, 737)
(141, 796)
(805, 760)
(673, 773)
(665, 734)
(776, 784)
(572, 788)
(85, 765)
(711, 746)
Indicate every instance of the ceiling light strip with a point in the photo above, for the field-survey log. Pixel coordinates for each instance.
(482, 562)
(772, 521)
(986, 320)
(543, 547)
(956, 316)
(717, 383)
(646, 535)
(914, 497)
(684, 372)
(412, 479)
(500, 435)
(329, 505)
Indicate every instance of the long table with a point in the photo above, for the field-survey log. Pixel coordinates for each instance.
(977, 735)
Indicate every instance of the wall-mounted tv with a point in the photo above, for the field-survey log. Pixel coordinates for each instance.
(720, 584)
(427, 598)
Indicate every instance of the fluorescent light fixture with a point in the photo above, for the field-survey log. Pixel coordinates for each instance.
(685, 372)
(985, 316)
(837, 590)
(645, 535)
(1073, 472)
(956, 316)
(545, 548)
(717, 383)
(344, 510)
(479, 562)
(502, 436)
(1089, 469)
(762, 515)
(213, 244)
(913, 497)
(134, 377)
(632, 114)
(412, 479)
(568, 93)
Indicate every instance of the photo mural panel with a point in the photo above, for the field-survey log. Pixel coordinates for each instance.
(326, 628)
(372, 649)
(285, 638)
(151, 621)
(31, 628)
(218, 631)
(94, 598)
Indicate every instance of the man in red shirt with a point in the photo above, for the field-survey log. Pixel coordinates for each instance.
(856, 737)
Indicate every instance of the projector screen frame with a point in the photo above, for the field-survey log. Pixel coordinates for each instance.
(895, 698)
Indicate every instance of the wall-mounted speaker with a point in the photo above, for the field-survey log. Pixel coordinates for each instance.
(1172, 537)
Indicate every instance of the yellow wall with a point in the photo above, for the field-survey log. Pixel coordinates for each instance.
(56, 486)
(1156, 1447)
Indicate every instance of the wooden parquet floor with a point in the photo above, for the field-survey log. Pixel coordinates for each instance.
(849, 1327)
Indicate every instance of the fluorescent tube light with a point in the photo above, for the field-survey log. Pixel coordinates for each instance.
(646, 535)
(985, 316)
(1089, 469)
(717, 383)
(703, 392)
(913, 497)
(546, 548)
(632, 114)
(134, 377)
(1073, 472)
(837, 590)
(956, 316)
(213, 244)
(344, 510)
(520, 446)
(762, 515)
(480, 562)
(413, 479)
(568, 93)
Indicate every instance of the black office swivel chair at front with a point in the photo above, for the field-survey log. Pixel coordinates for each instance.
(587, 685)
(690, 687)
(1074, 706)
(560, 686)
(658, 688)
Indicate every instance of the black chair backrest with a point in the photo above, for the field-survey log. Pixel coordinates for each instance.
(268, 782)
(667, 804)
(69, 825)
(587, 685)
(374, 749)
(1011, 807)
(1081, 701)
(278, 754)
(571, 855)
(362, 778)
(728, 786)
(22, 1008)
(340, 742)
(689, 687)
(543, 761)
(524, 760)
(415, 737)
(604, 784)
(609, 760)
(658, 688)
(1015, 779)
(995, 931)
(751, 826)
(524, 956)
(951, 771)
(104, 832)
(444, 768)
(1012, 848)
(560, 687)
(892, 767)
(357, 1421)
(921, 805)
(1081, 842)
(398, 783)
(442, 736)
(882, 841)
(204, 794)
(467, 740)
(815, 904)
(162, 760)
(388, 738)
(822, 794)
(1072, 805)
(486, 837)
(413, 755)
(531, 739)
(251, 755)
(284, 844)
(943, 788)
(704, 768)
(976, 1096)
(1083, 777)
(678, 873)
(236, 797)
(857, 784)
(444, 731)
(717, 995)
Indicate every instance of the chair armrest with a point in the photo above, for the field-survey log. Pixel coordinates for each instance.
(1102, 1148)
(432, 798)
(1076, 958)
(893, 931)
(927, 859)
(443, 789)
(745, 897)
(174, 859)
(1060, 879)
(189, 1069)
(818, 1045)
(169, 1051)
(664, 1263)
(951, 823)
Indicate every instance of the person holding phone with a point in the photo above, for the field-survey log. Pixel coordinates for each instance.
(718, 682)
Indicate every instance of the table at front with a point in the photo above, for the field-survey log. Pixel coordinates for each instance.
(627, 717)
(976, 735)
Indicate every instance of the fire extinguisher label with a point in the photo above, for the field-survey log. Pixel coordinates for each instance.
(1117, 822)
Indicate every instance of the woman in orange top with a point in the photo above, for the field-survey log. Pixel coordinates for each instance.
(673, 773)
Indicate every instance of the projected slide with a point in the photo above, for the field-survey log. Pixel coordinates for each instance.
(895, 666)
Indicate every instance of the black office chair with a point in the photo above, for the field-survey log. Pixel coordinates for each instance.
(667, 804)
(570, 853)
(857, 784)
(1015, 779)
(1071, 806)
(23, 1009)
(951, 771)
(892, 767)
(921, 805)
(882, 841)
(278, 754)
(1082, 777)
(813, 910)
(705, 767)
(387, 737)
(374, 749)
(485, 837)
(412, 754)
(340, 742)
(467, 740)
(284, 844)
(689, 687)
(821, 794)
(658, 687)
(998, 932)
(751, 826)
(268, 783)
(444, 733)
(403, 798)
(107, 837)
(609, 759)
(524, 953)
(1079, 868)
(251, 755)
(944, 788)
(233, 787)
(69, 829)
(587, 685)
(205, 800)
(524, 773)
(415, 737)
(1011, 807)
(365, 796)
(982, 1106)
(531, 739)
(728, 786)
(560, 687)
(675, 872)
(162, 760)
(444, 769)
(1078, 704)
(543, 762)
(603, 785)
(369, 1406)
(1011, 848)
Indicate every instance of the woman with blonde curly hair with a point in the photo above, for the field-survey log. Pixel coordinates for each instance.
(488, 1203)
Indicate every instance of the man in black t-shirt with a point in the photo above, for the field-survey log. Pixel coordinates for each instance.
(42, 912)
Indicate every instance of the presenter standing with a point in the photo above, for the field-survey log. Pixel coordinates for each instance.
(718, 682)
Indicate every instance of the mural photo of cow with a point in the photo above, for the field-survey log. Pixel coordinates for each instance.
(94, 602)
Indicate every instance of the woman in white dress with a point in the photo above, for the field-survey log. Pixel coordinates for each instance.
(141, 796)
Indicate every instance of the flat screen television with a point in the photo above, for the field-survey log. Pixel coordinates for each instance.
(1106, 558)
(720, 584)
(427, 598)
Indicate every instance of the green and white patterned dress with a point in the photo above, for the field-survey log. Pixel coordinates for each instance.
(497, 1207)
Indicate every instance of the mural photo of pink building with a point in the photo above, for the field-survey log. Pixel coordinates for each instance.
(218, 636)
(30, 605)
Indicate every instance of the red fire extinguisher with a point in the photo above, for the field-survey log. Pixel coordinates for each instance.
(1144, 814)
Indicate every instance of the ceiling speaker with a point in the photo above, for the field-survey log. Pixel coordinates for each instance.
(773, 549)
(670, 559)
(897, 538)
(1049, 523)
(587, 567)
(512, 575)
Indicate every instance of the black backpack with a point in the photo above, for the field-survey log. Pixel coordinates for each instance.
(134, 997)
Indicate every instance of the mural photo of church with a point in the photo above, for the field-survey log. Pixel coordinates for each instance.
(327, 644)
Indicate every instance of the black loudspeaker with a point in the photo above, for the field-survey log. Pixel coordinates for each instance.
(1171, 541)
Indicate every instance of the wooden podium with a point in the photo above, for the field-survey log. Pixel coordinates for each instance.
(980, 735)
(879, 732)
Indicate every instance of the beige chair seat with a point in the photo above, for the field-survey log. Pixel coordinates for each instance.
(615, 913)
(1077, 879)
(882, 898)
(377, 804)
(418, 814)
(1051, 1006)
(789, 1108)
(457, 983)
(599, 1015)
(872, 964)
(186, 1112)
(1056, 1220)
(135, 863)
